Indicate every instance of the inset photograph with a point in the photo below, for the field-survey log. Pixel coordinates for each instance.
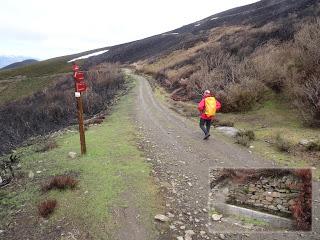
(266, 200)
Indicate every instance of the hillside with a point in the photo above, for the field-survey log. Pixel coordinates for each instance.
(286, 12)
(20, 64)
(45, 67)
(7, 60)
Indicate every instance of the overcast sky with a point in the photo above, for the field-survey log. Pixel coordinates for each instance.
(50, 28)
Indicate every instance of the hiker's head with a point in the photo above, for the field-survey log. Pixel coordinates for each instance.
(207, 93)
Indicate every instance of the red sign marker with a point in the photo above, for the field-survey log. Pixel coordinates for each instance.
(75, 67)
(81, 86)
(78, 76)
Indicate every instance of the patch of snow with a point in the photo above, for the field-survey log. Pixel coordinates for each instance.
(89, 55)
(215, 18)
(197, 25)
(173, 33)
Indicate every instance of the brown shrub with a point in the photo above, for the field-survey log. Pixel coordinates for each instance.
(282, 144)
(47, 207)
(313, 146)
(242, 96)
(303, 85)
(271, 63)
(245, 137)
(60, 182)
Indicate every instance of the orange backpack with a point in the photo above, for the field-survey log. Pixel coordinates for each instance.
(210, 106)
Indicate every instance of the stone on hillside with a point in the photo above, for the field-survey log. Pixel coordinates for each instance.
(222, 236)
(180, 238)
(269, 198)
(31, 174)
(216, 217)
(1, 180)
(72, 154)
(304, 142)
(189, 234)
(275, 194)
(161, 218)
(229, 131)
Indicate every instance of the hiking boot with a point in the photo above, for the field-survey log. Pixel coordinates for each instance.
(207, 136)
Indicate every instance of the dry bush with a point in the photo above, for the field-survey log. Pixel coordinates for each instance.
(60, 182)
(304, 82)
(47, 207)
(245, 137)
(282, 144)
(242, 96)
(313, 146)
(232, 82)
(217, 70)
(271, 63)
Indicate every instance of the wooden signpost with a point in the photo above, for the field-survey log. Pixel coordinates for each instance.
(80, 86)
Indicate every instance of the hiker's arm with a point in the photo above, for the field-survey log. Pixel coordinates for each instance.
(218, 105)
(201, 106)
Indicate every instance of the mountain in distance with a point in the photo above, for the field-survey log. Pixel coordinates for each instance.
(6, 60)
(20, 64)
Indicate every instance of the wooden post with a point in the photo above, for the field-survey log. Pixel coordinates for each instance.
(81, 126)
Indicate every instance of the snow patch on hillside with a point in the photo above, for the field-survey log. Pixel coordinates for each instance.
(173, 33)
(88, 55)
(215, 18)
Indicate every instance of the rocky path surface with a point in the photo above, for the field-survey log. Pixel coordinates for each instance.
(181, 161)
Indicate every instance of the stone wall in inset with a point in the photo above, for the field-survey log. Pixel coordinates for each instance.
(271, 194)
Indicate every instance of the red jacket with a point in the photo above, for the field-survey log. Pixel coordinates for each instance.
(201, 108)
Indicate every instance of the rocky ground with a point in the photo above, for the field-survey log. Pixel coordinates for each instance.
(181, 161)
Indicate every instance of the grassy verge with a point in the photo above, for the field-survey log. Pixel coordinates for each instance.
(252, 221)
(112, 166)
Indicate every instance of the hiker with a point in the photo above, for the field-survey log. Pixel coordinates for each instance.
(207, 107)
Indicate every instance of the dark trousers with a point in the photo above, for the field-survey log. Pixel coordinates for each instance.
(205, 125)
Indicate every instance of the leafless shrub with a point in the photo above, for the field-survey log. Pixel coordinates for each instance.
(271, 64)
(47, 207)
(245, 137)
(242, 96)
(282, 144)
(304, 84)
(60, 182)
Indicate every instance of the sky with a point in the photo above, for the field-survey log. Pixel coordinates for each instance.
(44, 29)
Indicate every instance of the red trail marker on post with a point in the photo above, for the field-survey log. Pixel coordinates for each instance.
(80, 86)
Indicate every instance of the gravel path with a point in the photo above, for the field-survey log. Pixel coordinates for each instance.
(181, 161)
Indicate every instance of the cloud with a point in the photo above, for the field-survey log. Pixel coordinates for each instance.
(51, 28)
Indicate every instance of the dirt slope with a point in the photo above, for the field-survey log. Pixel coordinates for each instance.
(181, 161)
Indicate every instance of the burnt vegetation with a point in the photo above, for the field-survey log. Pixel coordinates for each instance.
(62, 182)
(47, 207)
(54, 108)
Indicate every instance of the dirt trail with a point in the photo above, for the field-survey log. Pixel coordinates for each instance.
(181, 162)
